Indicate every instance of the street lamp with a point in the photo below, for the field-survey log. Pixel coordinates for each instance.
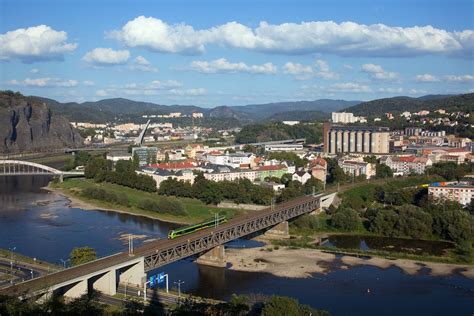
(179, 286)
(64, 262)
(126, 283)
(11, 263)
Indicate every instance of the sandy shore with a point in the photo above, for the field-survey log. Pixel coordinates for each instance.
(75, 202)
(302, 263)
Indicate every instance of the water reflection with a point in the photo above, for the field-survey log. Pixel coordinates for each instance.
(418, 247)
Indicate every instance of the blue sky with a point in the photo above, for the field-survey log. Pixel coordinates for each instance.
(212, 53)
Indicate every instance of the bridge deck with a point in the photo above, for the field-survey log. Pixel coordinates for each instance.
(152, 249)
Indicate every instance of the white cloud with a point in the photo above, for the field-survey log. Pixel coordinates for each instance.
(378, 73)
(45, 82)
(349, 87)
(101, 93)
(140, 60)
(221, 65)
(88, 83)
(426, 78)
(34, 70)
(142, 64)
(305, 72)
(106, 57)
(345, 39)
(417, 91)
(189, 92)
(391, 90)
(33, 44)
(460, 78)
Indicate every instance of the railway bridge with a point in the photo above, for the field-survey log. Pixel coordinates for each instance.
(26, 168)
(107, 273)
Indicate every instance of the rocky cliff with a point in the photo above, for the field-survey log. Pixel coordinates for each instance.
(28, 125)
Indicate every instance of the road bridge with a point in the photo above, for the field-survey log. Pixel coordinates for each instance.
(107, 273)
(26, 168)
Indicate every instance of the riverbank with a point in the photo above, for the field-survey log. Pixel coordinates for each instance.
(197, 210)
(293, 262)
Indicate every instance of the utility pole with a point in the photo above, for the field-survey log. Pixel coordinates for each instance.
(130, 245)
(179, 286)
(11, 264)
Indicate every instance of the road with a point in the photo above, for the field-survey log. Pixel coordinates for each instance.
(21, 270)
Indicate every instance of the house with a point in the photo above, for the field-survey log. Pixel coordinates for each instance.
(277, 187)
(301, 176)
(160, 175)
(270, 171)
(319, 169)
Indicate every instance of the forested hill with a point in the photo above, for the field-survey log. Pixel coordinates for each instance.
(462, 102)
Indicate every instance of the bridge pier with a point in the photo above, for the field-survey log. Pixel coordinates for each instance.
(76, 290)
(133, 274)
(279, 231)
(214, 257)
(105, 283)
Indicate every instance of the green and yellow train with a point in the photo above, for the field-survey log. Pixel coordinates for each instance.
(192, 228)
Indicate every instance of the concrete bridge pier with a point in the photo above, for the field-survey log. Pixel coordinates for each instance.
(214, 257)
(76, 290)
(133, 274)
(105, 283)
(279, 231)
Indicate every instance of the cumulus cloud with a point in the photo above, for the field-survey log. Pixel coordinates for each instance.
(426, 78)
(153, 88)
(304, 72)
(378, 73)
(460, 78)
(88, 83)
(45, 82)
(345, 39)
(33, 44)
(142, 64)
(349, 87)
(106, 57)
(101, 93)
(34, 70)
(417, 91)
(221, 65)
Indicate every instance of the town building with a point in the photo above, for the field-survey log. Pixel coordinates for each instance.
(407, 164)
(346, 118)
(116, 156)
(146, 155)
(356, 168)
(160, 175)
(301, 176)
(355, 139)
(461, 192)
(319, 169)
(284, 147)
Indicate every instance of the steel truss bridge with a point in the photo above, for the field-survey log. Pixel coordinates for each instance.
(201, 241)
(161, 252)
(26, 168)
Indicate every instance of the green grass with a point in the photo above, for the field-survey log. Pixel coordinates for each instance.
(21, 258)
(196, 209)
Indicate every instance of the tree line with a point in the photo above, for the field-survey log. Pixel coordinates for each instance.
(101, 170)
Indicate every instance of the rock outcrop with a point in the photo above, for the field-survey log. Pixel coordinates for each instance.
(28, 125)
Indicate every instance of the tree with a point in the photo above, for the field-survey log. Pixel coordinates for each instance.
(287, 306)
(313, 185)
(383, 171)
(135, 161)
(80, 255)
(346, 219)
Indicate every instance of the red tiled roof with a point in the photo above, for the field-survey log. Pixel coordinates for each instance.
(268, 168)
(187, 164)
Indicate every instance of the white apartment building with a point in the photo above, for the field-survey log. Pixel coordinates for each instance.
(408, 164)
(346, 118)
(356, 168)
(461, 192)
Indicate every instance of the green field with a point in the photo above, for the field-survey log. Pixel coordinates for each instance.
(197, 210)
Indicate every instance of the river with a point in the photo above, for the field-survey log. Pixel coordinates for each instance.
(40, 224)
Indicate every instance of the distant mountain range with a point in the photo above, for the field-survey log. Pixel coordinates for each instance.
(108, 109)
(462, 102)
(123, 109)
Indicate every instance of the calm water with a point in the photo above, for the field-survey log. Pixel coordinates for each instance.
(418, 247)
(41, 225)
